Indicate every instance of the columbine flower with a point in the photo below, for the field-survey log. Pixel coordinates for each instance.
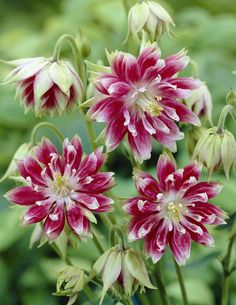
(173, 210)
(44, 85)
(200, 102)
(123, 267)
(63, 188)
(150, 17)
(216, 149)
(139, 98)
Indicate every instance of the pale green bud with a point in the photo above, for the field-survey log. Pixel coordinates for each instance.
(193, 137)
(69, 283)
(121, 268)
(83, 44)
(22, 151)
(148, 17)
(216, 149)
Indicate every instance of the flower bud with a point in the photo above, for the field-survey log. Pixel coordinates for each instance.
(231, 98)
(84, 44)
(216, 150)
(193, 137)
(44, 85)
(69, 283)
(150, 17)
(200, 102)
(123, 267)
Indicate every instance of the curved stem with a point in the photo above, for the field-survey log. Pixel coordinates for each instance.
(76, 53)
(49, 126)
(225, 111)
(161, 286)
(181, 283)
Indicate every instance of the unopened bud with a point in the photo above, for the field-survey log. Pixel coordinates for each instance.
(148, 17)
(216, 149)
(123, 267)
(70, 282)
(83, 44)
(193, 137)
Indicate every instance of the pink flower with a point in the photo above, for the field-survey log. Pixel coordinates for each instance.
(173, 210)
(63, 188)
(45, 86)
(139, 97)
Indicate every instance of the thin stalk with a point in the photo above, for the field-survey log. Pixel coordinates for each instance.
(223, 115)
(97, 243)
(49, 126)
(144, 299)
(161, 286)
(181, 283)
(227, 272)
(76, 53)
(91, 134)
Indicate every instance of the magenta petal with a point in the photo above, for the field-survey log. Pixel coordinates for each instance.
(192, 170)
(55, 221)
(185, 83)
(209, 213)
(24, 195)
(30, 167)
(165, 167)
(140, 227)
(77, 221)
(180, 244)
(204, 239)
(91, 164)
(148, 58)
(43, 151)
(99, 183)
(185, 115)
(36, 213)
(140, 144)
(146, 184)
(211, 189)
(118, 89)
(138, 206)
(115, 132)
(72, 152)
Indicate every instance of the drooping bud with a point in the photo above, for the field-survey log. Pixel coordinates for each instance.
(69, 283)
(148, 17)
(123, 267)
(45, 85)
(200, 102)
(216, 149)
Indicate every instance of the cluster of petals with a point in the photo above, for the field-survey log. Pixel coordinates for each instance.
(44, 85)
(141, 97)
(63, 189)
(173, 210)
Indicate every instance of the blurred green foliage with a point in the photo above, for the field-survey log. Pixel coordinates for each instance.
(31, 28)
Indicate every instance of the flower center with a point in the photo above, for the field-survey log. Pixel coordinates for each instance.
(149, 103)
(61, 185)
(174, 211)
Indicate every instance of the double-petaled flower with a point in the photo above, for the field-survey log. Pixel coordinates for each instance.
(173, 210)
(139, 97)
(63, 189)
(44, 85)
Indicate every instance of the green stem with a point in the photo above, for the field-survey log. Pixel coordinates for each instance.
(116, 237)
(225, 111)
(126, 6)
(181, 283)
(227, 272)
(49, 126)
(161, 286)
(97, 243)
(76, 53)
(143, 299)
(91, 134)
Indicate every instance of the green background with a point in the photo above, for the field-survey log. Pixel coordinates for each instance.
(30, 28)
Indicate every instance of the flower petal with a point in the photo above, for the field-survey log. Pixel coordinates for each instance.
(24, 195)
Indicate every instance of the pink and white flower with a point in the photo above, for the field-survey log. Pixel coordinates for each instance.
(140, 97)
(173, 210)
(44, 85)
(62, 189)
